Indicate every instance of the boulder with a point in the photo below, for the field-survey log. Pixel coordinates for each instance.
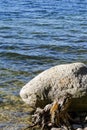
(53, 83)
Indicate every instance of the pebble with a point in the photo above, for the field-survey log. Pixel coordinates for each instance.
(57, 129)
(79, 129)
(85, 128)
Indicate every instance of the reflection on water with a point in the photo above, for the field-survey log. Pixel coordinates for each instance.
(35, 35)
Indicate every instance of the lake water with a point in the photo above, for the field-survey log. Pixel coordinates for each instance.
(35, 35)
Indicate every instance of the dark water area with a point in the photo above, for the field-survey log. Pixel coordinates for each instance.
(35, 35)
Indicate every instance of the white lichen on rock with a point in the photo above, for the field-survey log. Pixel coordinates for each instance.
(54, 83)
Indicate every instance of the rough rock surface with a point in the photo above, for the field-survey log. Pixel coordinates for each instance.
(54, 83)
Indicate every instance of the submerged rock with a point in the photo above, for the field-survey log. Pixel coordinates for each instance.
(54, 83)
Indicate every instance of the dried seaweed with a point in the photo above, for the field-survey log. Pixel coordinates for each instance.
(54, 115)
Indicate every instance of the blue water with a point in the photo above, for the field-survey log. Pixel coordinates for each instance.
(38, 34)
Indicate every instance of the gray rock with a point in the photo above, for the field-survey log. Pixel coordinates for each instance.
(54, 83)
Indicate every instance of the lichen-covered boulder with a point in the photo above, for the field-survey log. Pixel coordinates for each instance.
(54, 83)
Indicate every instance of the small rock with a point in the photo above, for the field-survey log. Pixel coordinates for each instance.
(85, 128)
(77, 126)
(79, 129)
(62, 128)
(86, 118)
(57, 129)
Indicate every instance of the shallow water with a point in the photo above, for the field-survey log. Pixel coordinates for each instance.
(35, 35)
